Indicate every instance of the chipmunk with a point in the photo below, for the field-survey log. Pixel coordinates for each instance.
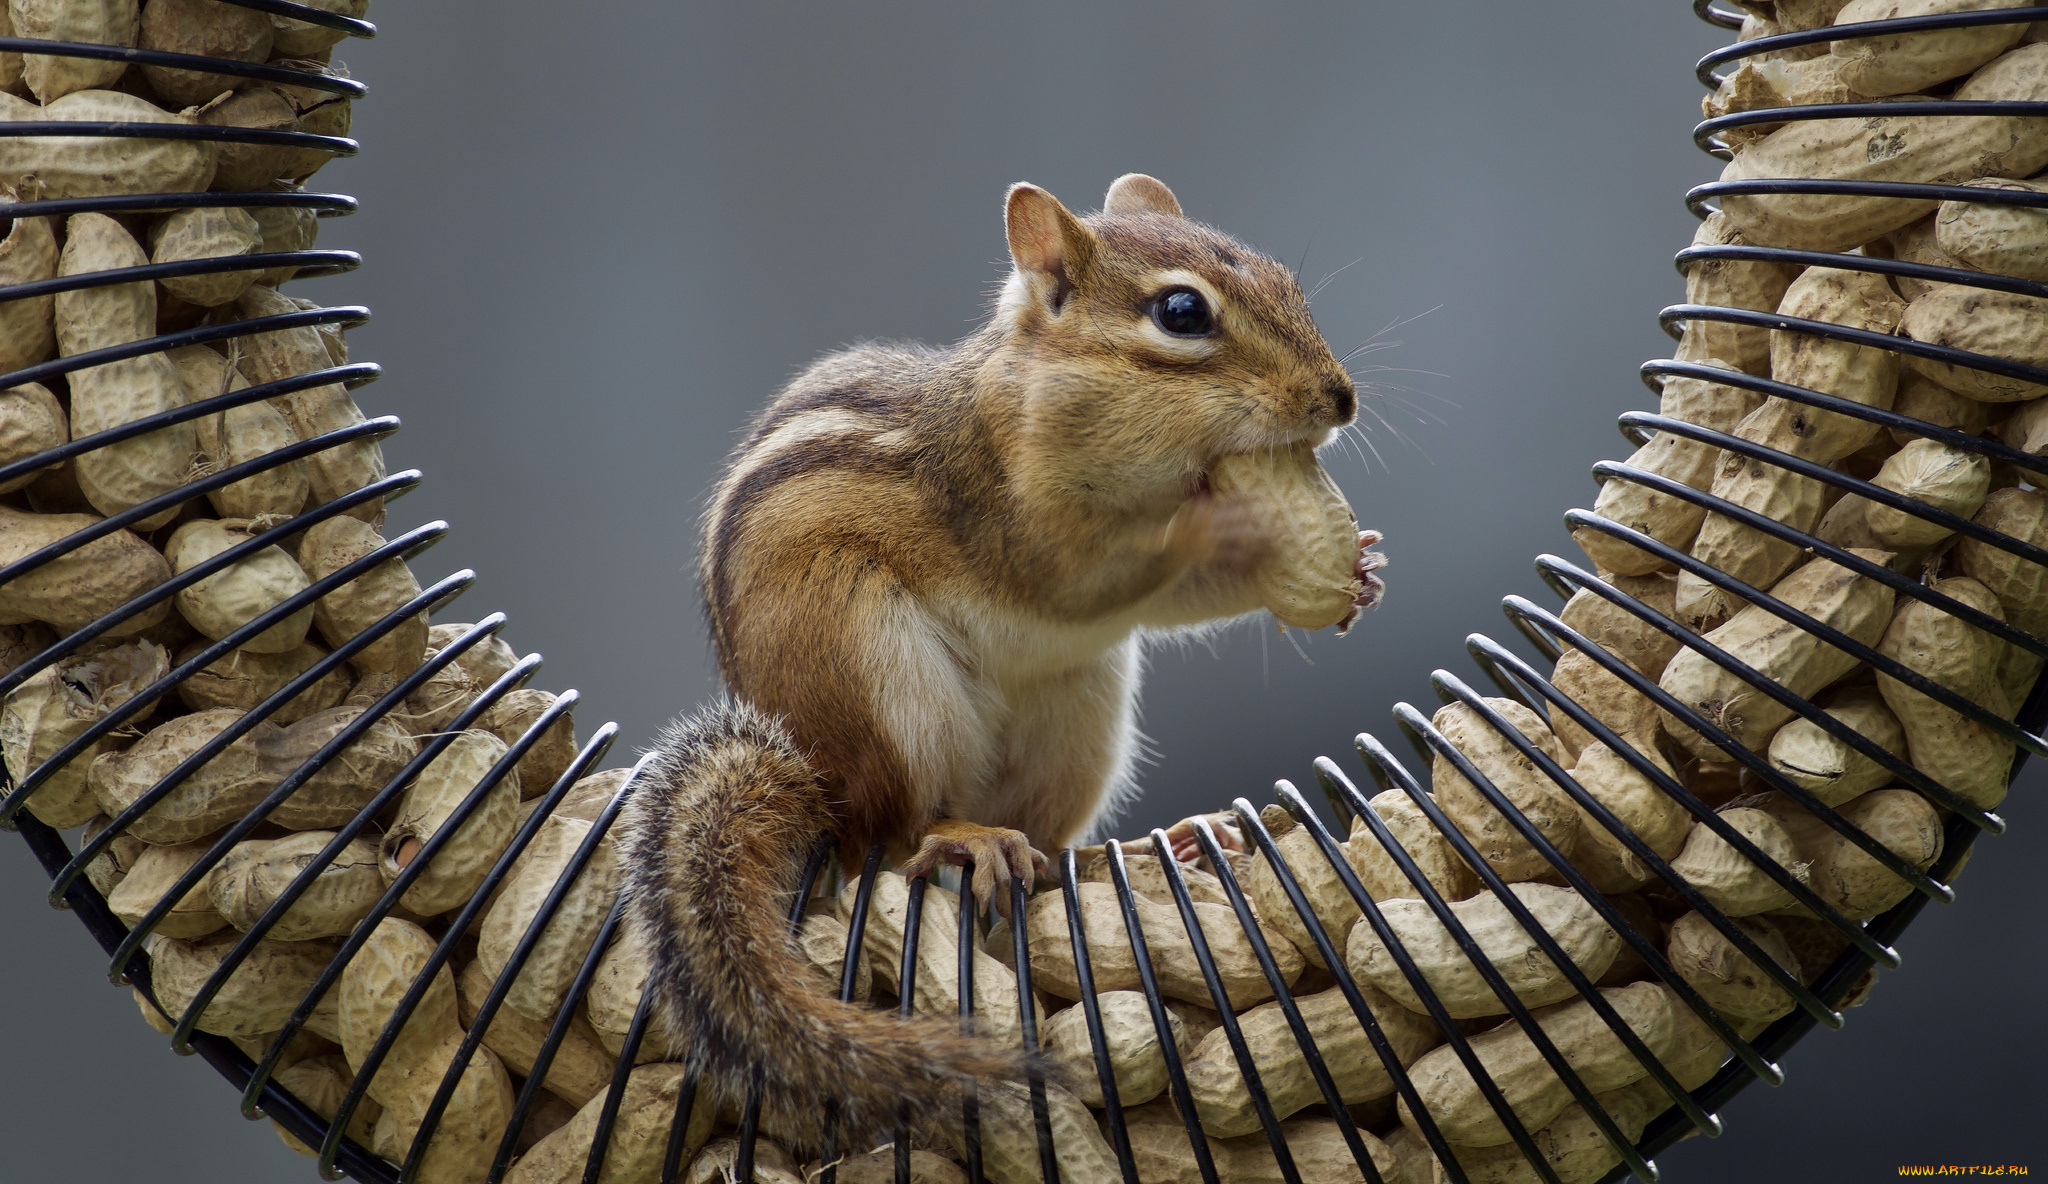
(927, 575)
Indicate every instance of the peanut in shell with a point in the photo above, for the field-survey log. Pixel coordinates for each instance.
(1938, 475)
(1895, 63)
(2001, 325)
(28, 252)
(241, 680)
(260, 107)
(1109, 949)
(544, 763)
(205, 232)
(640, 1134)
(89, 166)
(285, 353)
(372, 985)
(76, 588)
(1725, 877)
(1136, 1059)
(1930, 402)
(332, 545)
(1962, 754)
(1222, 1098)
(1380, 874)
(1539, 799)
(203, 28)
(1829, 768)
(1734, 283)
(1159, 1148)
(1844, 875)
(244, 590)
(2020, 585)
(216, 794)
(615, 991)
(258, 997)
(1309, 579)
(1148, 875)
(96, 22)
(1778, 650)
(1606, 696)
(1922, 148)
(112, 864)
(342, 787)
(2005, 240)
(1563, 914)
(321, 1083)
(1726, 977)
(937, 989)
(55, 706)
(31, 421)
(1573, 1146)
(257, 871)
(1318, 881)
(155, 871)
(581, 1068)
(459, 866)
(125, 474)
(1670, 1030)
(543, 981)
(1621, 632)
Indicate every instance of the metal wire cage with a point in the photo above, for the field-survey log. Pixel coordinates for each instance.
(1868, 943)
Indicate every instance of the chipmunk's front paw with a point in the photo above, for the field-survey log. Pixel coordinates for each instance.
(991, 849)
(1369, 562)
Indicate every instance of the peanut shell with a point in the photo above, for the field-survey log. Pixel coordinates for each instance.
(239, 593)
(97, 22)
(460, 865)
(89, 166)
(121, 475)
(1778, 650)
(155, 870)
(1309, 579)
(342, 787)
(217, 794)
(2007, 240)
(1137, 1061)
(204, 28)
(28, 252)
(1938, 149)
(205, 232)
(1579, 931)
(332, 545)
(1539, 799)
(1222, 1099)
(544, 980)
(1962, 754)
(257, 871)
(55, 706)
(258, 997)
(581, 1068)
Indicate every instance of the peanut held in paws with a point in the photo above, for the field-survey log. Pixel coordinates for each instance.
(1313, 574)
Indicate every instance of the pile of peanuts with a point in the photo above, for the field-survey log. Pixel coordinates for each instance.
(1776, 891)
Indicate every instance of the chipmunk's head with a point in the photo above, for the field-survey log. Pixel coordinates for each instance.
(1160, 338)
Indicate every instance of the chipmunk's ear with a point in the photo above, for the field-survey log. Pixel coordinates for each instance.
(1053, 251)
(1136, 193)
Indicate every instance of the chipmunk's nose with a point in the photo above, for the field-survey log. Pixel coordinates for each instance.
(1339, 401)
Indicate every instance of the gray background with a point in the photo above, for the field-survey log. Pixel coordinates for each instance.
(596, 236)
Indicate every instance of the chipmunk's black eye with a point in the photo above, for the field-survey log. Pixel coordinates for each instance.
(1183, 313)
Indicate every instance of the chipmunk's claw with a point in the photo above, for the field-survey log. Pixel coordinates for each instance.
(1369, 562)
(991, 849)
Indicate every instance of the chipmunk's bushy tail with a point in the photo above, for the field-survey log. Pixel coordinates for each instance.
(713, 840)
